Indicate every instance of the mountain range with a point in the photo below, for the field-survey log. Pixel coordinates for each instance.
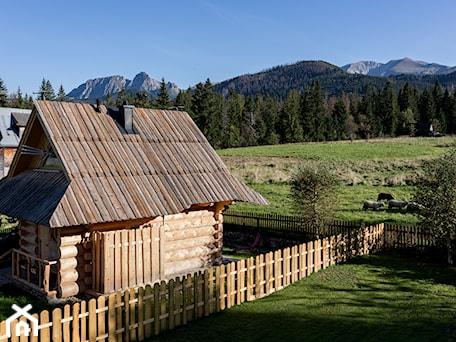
(100, 87)
(398, 67)
(277, 81)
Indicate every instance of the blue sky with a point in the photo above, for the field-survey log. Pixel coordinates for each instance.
(188, 41)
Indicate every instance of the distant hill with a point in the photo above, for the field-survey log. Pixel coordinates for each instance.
(398, 67)
(279, 80)
(98, 88)
(334, 80)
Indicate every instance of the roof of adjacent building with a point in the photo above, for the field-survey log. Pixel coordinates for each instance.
(20, 118)
(165, 167)
(8, 137)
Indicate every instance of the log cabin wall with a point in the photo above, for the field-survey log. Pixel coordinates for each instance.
(39, 241)
(28, 242)
(190, 242)
(75, 269)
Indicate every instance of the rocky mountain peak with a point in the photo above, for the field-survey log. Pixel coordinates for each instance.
(99, 88)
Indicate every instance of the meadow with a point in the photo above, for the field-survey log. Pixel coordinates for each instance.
(363, 168)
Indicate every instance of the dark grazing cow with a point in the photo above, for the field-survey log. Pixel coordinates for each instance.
(383, 196)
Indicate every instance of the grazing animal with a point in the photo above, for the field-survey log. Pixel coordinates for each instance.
(413, 207)
(397, 204)
(374, 205)
(383, 196)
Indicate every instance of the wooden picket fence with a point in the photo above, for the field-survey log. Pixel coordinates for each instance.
(293, 227)
(283, 226)
(139, 313)
(407, 236)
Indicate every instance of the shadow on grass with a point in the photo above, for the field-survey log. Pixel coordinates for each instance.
(372, 298)
(10, 294)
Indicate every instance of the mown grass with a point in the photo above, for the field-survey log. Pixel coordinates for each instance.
(372, 298)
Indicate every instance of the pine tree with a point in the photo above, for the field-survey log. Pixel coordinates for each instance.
(163, 101)
(141, 100)
(109, 100)
(249, 134)
(289, 123)
(184, 100)
(406, 99)
(313, 113)
(270, 115)
(235, 108)
(340, 117)
(61, 96)
(20, 102)
(46, 91)
(3, 95)
(260, 125)
(365, 118)
(206, 107)
(386, 110)
(121, 97)
(426, 106)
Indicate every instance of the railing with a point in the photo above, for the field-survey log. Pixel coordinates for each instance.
(33, 272)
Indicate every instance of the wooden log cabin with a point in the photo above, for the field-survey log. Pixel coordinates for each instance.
(111, 198)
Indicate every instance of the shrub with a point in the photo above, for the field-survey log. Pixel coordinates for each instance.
(313, 193)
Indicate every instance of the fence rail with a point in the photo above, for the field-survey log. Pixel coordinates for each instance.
(407, 237)
(292, 227)
(32, 271)
(139, 313)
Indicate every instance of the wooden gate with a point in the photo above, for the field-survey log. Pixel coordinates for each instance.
(127, 258)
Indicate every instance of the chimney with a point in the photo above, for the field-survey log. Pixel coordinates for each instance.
(98, 106)
(126, 117)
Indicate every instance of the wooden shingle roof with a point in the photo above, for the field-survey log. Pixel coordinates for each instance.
(165, 167)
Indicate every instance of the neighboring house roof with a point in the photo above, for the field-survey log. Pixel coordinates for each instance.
(9, 138)
(108, 175)
(20, 118)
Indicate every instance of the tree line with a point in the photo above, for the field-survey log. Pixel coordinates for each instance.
(311, 115)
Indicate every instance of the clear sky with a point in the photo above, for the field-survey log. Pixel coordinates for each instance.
(188, 41)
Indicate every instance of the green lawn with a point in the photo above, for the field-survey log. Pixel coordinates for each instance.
(372, 298)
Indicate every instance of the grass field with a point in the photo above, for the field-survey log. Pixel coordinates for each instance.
(364, 169)
(385, 149)
(372, 298)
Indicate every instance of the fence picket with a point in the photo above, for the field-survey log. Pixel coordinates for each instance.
(57, 324)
